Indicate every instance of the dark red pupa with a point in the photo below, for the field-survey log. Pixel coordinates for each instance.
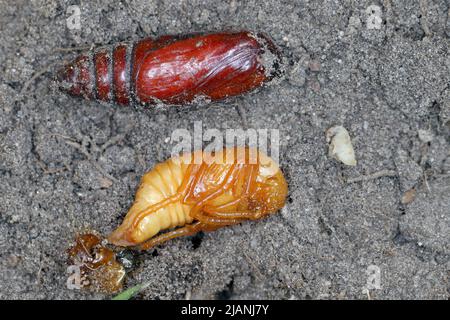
(173, 70)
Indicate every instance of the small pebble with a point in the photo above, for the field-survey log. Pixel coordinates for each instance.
(314, 65)
(409, 196)
(425, 136)
(340, 145)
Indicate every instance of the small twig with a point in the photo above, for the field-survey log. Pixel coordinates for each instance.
(80, 147)
(258, 274)
(423, 19)
(103, 172)
(39, 272)
(83, 149)
(376, 175)
(425, 181)
(112, 141)
(46, 170)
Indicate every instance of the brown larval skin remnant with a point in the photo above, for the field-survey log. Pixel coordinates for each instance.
(99, 269)
(202, 192)
(173, 70)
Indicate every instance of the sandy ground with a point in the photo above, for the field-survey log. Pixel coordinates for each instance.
(387, 83)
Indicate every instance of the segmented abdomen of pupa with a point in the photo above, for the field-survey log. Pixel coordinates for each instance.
(157, 185)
